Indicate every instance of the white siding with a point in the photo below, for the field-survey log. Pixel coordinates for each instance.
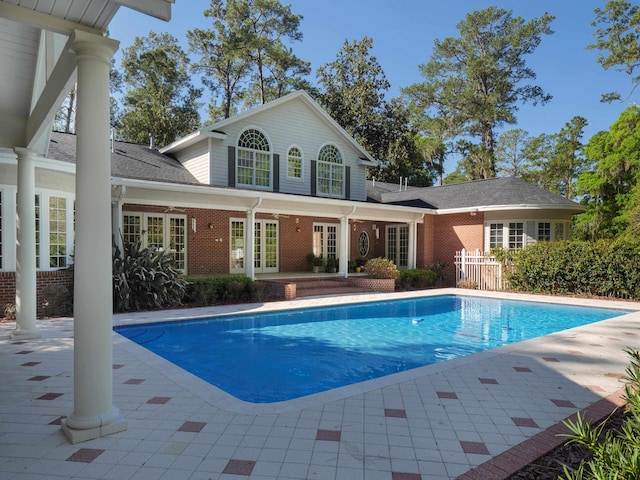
(196, 160)
(293, 123)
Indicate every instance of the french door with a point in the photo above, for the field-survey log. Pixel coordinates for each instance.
(397, 246)
(265, 246)
(325, 240)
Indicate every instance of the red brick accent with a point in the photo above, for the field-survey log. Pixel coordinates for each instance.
(43, 280)
(374, 284)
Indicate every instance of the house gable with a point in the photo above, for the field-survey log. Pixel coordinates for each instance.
(295, 121)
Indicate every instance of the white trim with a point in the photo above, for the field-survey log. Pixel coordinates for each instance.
(302, 164)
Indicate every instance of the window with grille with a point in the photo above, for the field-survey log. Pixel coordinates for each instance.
(294, 163)
(516, 230)
(57, 232)
(330, 171)
(253, 164)
(496, 235)
(131, 228)
(544, 231)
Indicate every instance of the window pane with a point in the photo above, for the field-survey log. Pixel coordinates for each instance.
(131, 228)
(515, 235)
(496, 235)
(178, 241)
(253, 162)
(57, 232)
(544, 232)
(294, 163)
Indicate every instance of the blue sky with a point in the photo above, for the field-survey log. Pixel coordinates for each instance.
(403, 33)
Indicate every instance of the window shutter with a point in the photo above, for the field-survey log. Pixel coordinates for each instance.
(530, 233)
(231, 157)
(347, 183)
(276, 172)
(313, 177)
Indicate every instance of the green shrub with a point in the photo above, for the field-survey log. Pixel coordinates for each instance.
(145, 279)
(211, 290)
(417, 278)
(381, 268)
(57, 301)
(603, 268)
(614, 454)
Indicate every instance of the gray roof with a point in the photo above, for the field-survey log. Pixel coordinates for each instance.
(128, 160)
(493, 192)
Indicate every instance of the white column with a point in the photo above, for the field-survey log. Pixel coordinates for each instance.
(93, 414)
(413, 236)
(343, 268)
(249, 266)
(26, 249)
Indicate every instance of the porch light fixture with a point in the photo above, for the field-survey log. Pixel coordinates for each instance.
(193, 224)
(211, 226)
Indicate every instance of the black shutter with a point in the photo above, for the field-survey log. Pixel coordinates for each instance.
(313, 177)
(276, 172)
(347, 183)
(231, 157)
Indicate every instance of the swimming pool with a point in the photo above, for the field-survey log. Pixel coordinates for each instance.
(279, 356)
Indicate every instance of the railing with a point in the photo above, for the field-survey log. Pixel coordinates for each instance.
(478, 270)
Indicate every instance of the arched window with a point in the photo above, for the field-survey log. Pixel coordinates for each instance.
(294, 163)
(253, 165)
(330, 175)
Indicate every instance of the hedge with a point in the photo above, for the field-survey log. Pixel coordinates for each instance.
(603, 268)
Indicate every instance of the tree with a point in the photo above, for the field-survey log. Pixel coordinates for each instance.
(160, 100)
(243, 58)
(611, 189)
(352, 90)
(618, 40)
(480, 78)
(567, 161)
(510, 155)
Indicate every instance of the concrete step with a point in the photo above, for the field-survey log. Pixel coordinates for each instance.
(309, 287)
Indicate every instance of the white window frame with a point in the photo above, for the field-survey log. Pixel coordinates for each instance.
(166, 231)
(325, 243)
(301, 158)
(252, 154)
(397, 244)
(559, 231)
(332, 178)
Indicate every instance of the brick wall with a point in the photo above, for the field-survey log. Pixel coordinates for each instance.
(43, 280)
(453, 233)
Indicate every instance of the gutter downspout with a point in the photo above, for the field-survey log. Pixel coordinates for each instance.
(116, 215)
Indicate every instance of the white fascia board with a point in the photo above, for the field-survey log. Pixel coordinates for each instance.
(279, 202)
(156, 8)
(498, 208)
(55, 165)
(192, 139)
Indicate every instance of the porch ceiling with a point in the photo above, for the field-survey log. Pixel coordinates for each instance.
(37, 71)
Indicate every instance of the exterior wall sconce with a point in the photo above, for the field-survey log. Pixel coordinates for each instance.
(297, 229)
(193, 224)
(211, 226)
(473, 214)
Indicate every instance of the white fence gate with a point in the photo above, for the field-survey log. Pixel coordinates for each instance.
(475, 269)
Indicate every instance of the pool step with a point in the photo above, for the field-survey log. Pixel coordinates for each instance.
(325, 286)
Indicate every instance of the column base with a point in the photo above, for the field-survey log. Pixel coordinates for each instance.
(26, 334)
(76, 435)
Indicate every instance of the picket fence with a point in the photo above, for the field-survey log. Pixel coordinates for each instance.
(478, 270)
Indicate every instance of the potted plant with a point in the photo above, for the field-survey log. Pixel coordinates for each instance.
(332, 264)
(381, 275)
(311, 260)
(318, 263)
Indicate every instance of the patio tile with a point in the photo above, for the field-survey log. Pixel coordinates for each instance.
(158, 400)
(405, 476)
(564, 403)
(522, 369)
(134, 381)
(50, 396)
(193, 427)
(447, 395)
(395, 413)
(524, 422)
(85, 455)
(239, 467)
(30, 364)
(38, 378)
(328, 435)
(550, 359)
(488, 381)
(478, 448)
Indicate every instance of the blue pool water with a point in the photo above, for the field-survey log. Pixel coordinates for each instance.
(278, 356)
